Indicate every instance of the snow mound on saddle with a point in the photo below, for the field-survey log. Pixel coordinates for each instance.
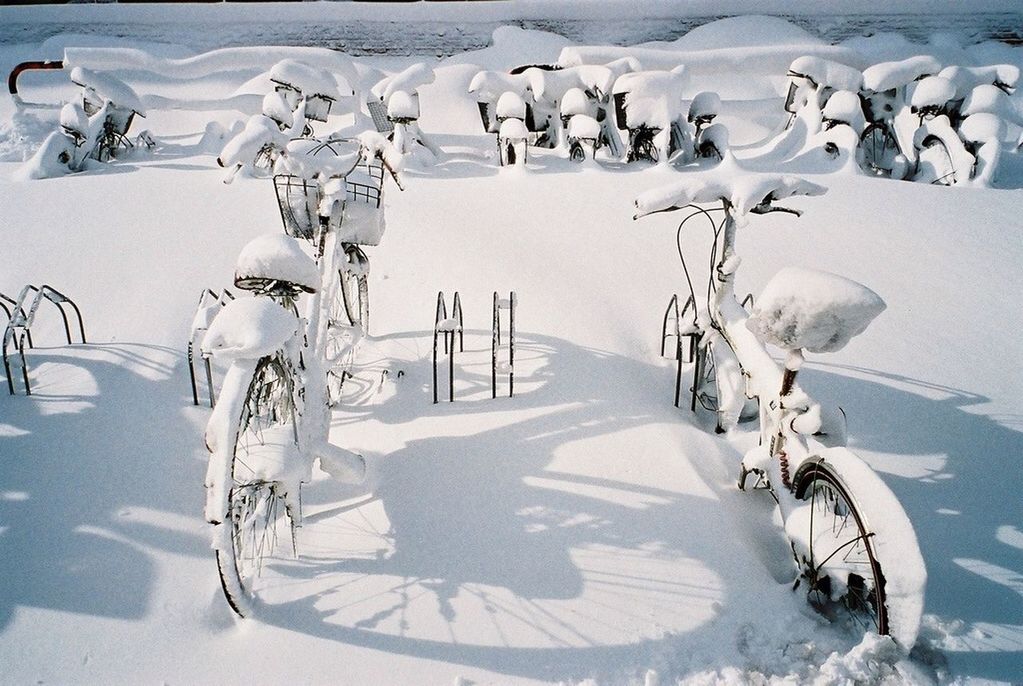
(276, 257)
(828, 72)
(888, 75)
(813, 310)
(109, 88)
(249, 328)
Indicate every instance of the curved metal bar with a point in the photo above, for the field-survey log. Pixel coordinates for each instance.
(12, 78)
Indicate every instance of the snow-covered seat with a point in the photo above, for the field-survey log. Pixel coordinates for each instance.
(410, 80)
(844, 107)
(704, 108)
(574, 102)
(583, 127)
(276, 108)
(827, 73)
(295, 79)
(991, 99)
(1003, 76)
(109, 88)
(403, 106)
(277, 262)
(513, 130)
(808, 309)
(510, 106)
(887, 76)
(932, 93)
(982, 127)
(249, 328)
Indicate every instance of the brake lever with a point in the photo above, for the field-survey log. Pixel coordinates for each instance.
(765, 208)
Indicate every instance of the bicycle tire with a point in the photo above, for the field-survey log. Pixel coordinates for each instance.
(935, 164)
(355, 288)
(577, 153)
(247, 533)
(878, 150)
(834, 550)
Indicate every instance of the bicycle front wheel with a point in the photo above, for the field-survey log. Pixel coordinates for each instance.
(259, 502)
(879, 150)
(834, 549)
(354, 290)
(935, 164)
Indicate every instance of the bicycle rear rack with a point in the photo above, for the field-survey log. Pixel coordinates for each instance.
(19, 325)
(674, 316)
(508, 304)
(210, 302)
(449, 327)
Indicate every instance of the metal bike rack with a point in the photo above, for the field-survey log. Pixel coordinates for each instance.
(36, 65)
(7, 303)
(674, 316)
(19, 325)
(496, 343)
(449, 327)
(209, 300)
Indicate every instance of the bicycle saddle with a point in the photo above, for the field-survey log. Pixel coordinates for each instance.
(808, 309)
(888, 75)
(275, 264)
(249, 328)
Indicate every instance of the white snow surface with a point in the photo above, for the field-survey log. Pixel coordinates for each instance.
(279, 257)
(584, 531)
(814, 310)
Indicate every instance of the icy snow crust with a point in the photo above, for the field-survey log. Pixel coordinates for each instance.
(581, 530)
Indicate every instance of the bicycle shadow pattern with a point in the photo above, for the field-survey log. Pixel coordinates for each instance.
(78, 523)
(935, 447)
(519, 536)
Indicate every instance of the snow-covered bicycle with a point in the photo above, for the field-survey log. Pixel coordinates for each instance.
(271, 421)
(855, 550)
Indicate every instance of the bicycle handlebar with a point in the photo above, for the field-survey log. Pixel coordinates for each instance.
(739, 195)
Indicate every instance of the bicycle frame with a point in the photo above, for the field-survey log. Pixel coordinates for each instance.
(765, 380)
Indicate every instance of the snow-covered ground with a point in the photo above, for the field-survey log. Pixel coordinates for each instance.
(584, 529)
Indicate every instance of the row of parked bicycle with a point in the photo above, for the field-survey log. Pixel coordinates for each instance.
(911, 119)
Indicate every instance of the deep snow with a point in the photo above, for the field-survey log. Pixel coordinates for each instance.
(583, 529)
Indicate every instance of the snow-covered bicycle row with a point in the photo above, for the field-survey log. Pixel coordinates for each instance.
(915, 119)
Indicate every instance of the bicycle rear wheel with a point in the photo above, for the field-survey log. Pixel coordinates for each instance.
(265, 450)
(835, 551)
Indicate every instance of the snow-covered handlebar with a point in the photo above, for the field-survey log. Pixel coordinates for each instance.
(751, 193)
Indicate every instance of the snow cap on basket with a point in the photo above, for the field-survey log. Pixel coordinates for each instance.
(813, 310)
(250, 328)
(276, 257)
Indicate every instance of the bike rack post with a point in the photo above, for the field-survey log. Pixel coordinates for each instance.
(675, 316)
(20, 322)
(449, 327)
(12, 78)
(495, 342)
(211, 300)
